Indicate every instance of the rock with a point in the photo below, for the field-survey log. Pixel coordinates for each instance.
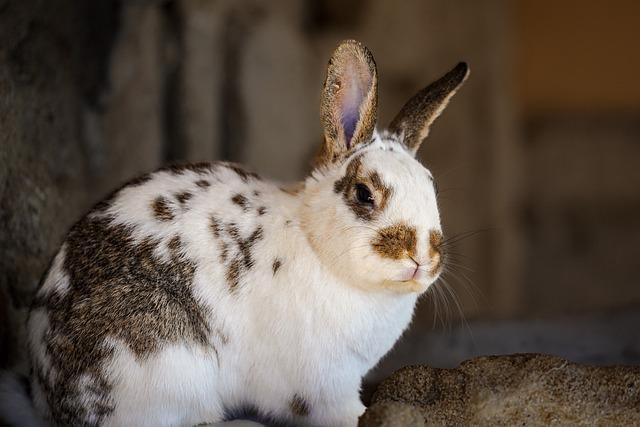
(525, 389)
(392, 414)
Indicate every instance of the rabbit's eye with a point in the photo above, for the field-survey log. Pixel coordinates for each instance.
(363, 194)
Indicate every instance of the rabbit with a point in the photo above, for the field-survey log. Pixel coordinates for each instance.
(201, 292)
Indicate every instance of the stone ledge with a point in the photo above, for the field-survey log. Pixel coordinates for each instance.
(525, 389)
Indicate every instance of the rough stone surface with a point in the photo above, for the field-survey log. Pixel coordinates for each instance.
(525, 389)
(392, 414)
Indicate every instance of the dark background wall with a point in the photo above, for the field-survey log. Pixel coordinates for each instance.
(537, 154)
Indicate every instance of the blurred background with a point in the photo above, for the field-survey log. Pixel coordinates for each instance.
(536, 157)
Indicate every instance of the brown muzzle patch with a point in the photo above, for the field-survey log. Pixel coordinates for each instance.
(395, 241)
(435, 240)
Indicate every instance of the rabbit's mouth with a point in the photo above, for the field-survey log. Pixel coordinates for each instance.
(407, 286)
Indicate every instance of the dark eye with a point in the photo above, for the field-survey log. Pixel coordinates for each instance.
(363, 194)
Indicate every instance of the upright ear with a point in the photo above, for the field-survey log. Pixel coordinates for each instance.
(414, 119)
(349, 100)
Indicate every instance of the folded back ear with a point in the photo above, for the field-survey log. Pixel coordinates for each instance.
(414, 119)
(349, 101)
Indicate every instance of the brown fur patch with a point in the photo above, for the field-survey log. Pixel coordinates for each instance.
(244, 174)
(235, 250)
(299, 406)
(435, 240)
(262, 210)
(354, 175)
(241, 201)
(183, 197)
(395, 242)
(180, 168)
(203, 183)
(161, 209)
(117, 289)
(276, 266)
(215, 226)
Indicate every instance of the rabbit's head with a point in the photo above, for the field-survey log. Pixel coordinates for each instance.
(370, 207)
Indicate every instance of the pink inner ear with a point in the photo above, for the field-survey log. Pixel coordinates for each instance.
(355, 85)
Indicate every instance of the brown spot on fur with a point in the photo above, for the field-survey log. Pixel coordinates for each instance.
(180, 168)
(183, 197)
(262, 210)
(215, 226)
(241, 201)
(242, 260)
(354, 175)
(299, 407)
(395, 242)
(203, 183)
(242, 173)
(117, 289)
(174, 245)
(276, 266)
(161, 209)
(233, 274)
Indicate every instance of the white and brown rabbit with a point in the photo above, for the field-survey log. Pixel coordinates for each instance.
(198, 291)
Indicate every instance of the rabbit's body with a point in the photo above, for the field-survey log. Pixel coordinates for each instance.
(250, 310)
(196, 292)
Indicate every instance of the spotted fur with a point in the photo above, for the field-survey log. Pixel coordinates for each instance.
(277, 263)
(162, 209)
(170, 304)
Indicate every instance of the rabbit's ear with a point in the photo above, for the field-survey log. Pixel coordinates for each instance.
(414, 119)
(349, 100)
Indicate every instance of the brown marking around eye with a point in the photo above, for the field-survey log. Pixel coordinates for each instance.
(395, 242)
(383, 191)
(161, 209)
(299, 406)
(346, 185)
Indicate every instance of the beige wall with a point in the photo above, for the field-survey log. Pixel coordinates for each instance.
(577, 55)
